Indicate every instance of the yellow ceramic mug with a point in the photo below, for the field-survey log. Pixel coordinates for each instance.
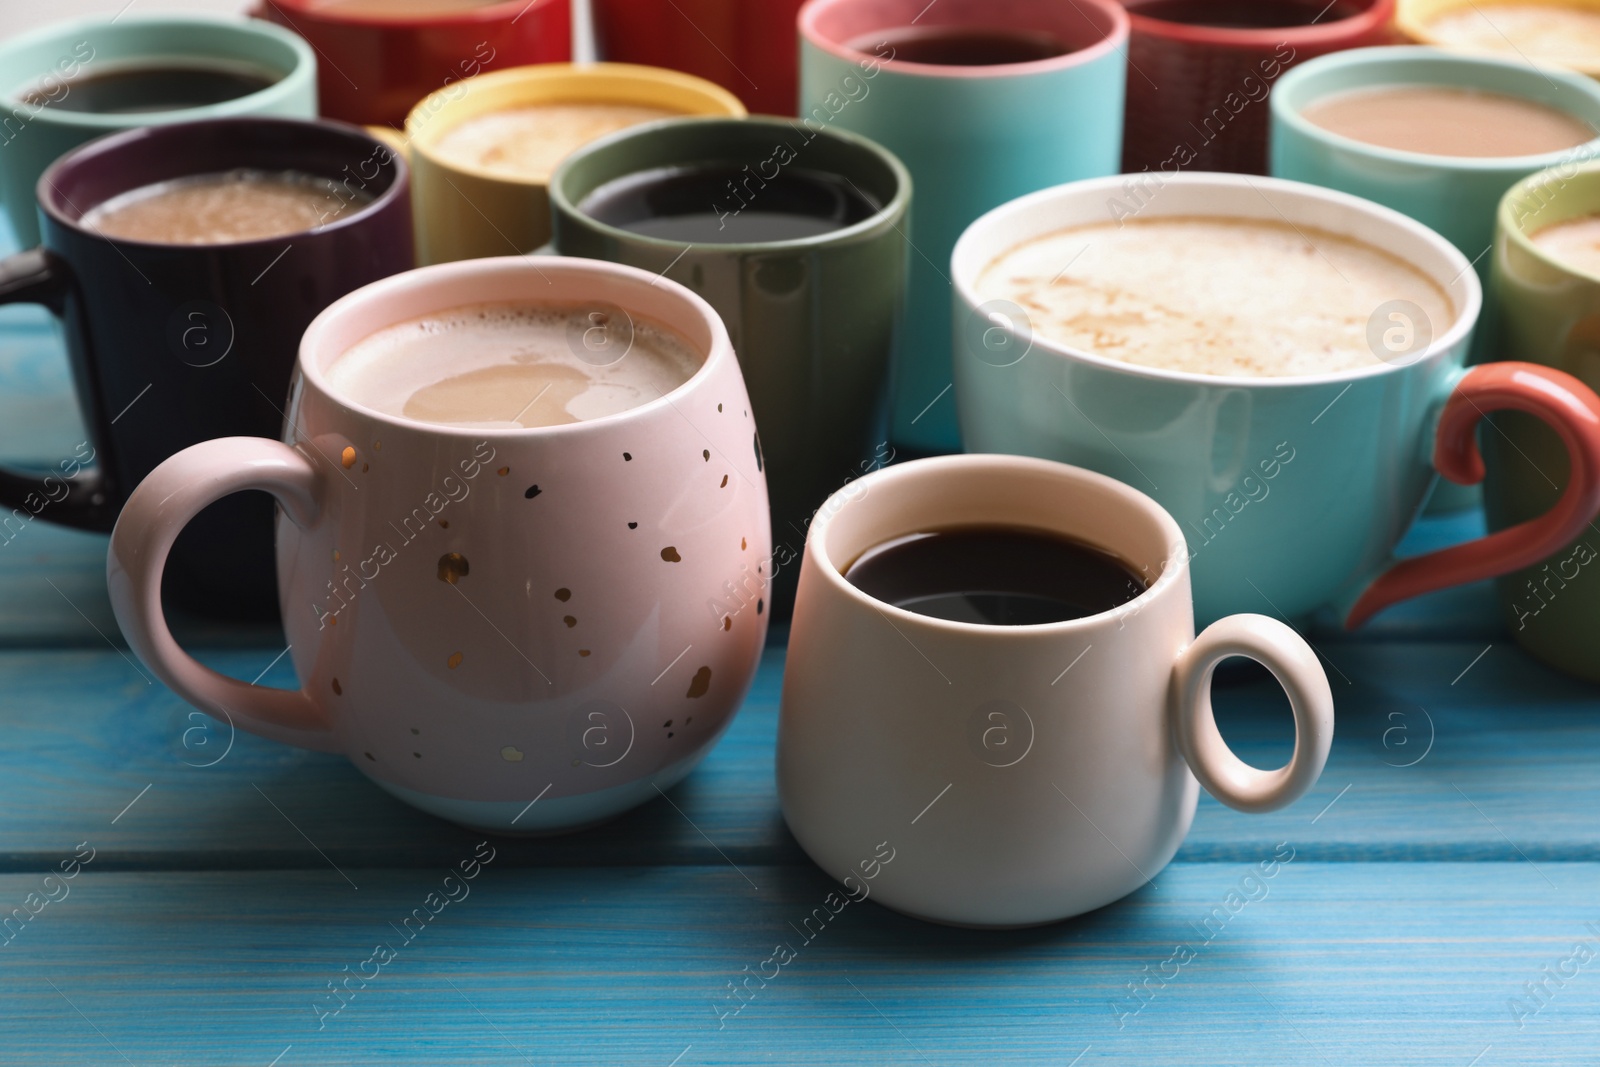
(464, 210)
(1564, 33)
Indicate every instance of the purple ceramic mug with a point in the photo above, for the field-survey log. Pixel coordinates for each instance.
(172, 344)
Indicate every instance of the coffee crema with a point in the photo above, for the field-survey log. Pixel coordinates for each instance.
(1225, 296)
(1575, 243)
(1441, 120)
(995, 576)
(225, 207)
(1558, 33)
(960, 46)
(170, 85)
(513, 365)
(529, 142)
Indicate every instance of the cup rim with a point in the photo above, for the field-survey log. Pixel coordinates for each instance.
(896, 207)
(468, 16)
(1410, 56)
(1375, 15)
(1174, 569)
(422, 278)
(1115, 40)
(271, 96)
(46, 189)
(1514, 233)
(1411, 24)
(646, 76)
(964, 279)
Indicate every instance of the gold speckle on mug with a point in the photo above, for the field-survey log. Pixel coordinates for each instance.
(743, 544)
(727, 622)
(348, 457)
(454, 661)
(706, 452)
(444, 524)
(670, 554)
(583, 652)
(719, 408)
(503, 471)
(336, 555)
(338, 690)
(377, 446)
(333, 620)
(563, 595)
(724, 484)
(364, 468)
(700, 683)
(452, 567)
(511, 754)
(569, 620)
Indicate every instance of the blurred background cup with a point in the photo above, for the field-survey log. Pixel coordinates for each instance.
(1199, 72)
(973, 133)
(1561, 32)
(172, 343)
(486, 202)
(1547, 305)
(884, 708)
(1293, 491)
(746, 46)
(379, 57)
(813, 315)
(523, 649)
(70, 82)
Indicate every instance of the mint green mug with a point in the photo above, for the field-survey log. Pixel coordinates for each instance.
(40, 71)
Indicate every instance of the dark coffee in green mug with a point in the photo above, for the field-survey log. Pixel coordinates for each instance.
(796, 235)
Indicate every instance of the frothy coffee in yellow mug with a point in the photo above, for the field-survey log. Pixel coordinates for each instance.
(1225, 296)
(529, 142)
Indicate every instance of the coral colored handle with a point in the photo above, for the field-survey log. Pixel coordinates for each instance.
(171, 495)
(1563, 403)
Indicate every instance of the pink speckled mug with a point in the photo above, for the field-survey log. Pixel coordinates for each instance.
(525, 630)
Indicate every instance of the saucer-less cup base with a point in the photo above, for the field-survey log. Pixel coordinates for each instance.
(972, 138)
(1548, 313)
(1292, 492)
(511, 628)
(47, 59)
(1015, 775)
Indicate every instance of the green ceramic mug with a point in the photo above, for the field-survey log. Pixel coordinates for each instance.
(813, 319)
(46, 76)
(1546, 312)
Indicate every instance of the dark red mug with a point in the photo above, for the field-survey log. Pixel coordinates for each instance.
(173, 344)
(749, 47)
(373, 68)
(1197, 90)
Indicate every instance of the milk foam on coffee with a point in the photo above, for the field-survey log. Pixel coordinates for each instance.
(1443, 120)
(1558, 32)
(510, 365)
(1211, 295)
(1574, 242)
(238, 205)
(530, 142)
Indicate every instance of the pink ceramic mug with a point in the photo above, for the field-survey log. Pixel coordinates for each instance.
(524, 630)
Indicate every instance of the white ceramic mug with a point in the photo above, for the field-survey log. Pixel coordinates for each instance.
(521, 630)
(1016, 774)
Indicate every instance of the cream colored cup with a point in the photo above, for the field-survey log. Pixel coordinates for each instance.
(466, 212)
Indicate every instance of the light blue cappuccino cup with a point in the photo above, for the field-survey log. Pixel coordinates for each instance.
(972, 137)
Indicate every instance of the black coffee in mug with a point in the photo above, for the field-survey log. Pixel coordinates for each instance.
(995, 576)
(1248, 14)
(726, 203)
(169, 86)
(961, 46)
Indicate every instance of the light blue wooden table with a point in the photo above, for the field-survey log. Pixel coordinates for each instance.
(1442, 903)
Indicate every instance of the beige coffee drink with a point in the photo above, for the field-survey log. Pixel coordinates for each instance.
(239, 205)
(506, 365)
(1555, 32)
(529, 142)
(1574, 242)
(1442, 120)
(1224, 296)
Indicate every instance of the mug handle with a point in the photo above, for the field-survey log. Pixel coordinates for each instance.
(1284, 653)
(1564, 404)
(36, 277)
(171, 495)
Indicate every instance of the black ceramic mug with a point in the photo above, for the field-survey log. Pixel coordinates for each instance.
(172, 344)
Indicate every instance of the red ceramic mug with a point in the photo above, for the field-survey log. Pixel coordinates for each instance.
(749, 47)
(1199, 72)
(373, 65)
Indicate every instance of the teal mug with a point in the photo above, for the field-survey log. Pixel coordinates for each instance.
(70, 82)
(1291, 491)
(972, 136)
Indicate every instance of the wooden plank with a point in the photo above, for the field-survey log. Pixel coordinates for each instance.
(1509, 772)
(1318, 964)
